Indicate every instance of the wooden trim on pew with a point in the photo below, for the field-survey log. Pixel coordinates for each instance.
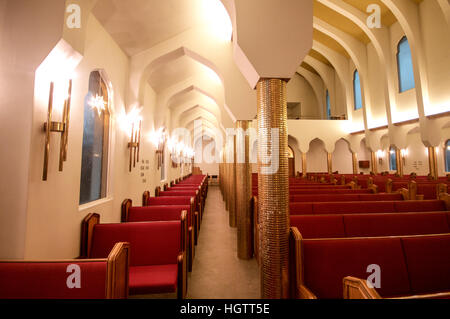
(355, 288)
(126, 205)
(182, 276)
(145, 197)
(446, 198)
(157, 191)
(87, 228)
(118, 272)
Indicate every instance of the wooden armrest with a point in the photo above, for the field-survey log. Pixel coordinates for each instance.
(191, 244)
(405, 193)
(118, 271)
(196, 226)
(446, 198)
(182, 276)
(305, 293)
(355, 288)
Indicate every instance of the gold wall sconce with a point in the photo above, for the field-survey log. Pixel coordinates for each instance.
(404, 155)
(57, 127)
(380, 155)
(159, 139)
(135, 144)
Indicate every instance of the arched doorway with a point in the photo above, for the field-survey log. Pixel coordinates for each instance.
(291, 157)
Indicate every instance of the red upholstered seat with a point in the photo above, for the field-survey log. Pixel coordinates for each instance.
(178, 200)
(151, 244)
(380, 197)
(153, 279)
(156, 243)
(353, 207)
(428, 260)
(49, 281)
(420, 206)
(324, 198)
(322, 226)
(327, 262)
(156, 213)
(371, 225)
(300, 208)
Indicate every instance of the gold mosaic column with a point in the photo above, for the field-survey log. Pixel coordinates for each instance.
(330, 163)
(243, 192)
(399, 162)
(273, 190)
(432, 162)
(374, 163)
(304, 165)
(355, 163)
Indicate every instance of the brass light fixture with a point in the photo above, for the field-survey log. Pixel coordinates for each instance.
(135, 144)
(57, 127)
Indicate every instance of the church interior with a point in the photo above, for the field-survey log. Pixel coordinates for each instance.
(225, 149)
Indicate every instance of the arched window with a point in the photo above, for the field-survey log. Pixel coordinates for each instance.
(328, 106)
(357, 91)
(447, 156)
(392, 159)
(405, 66)
(94, 162)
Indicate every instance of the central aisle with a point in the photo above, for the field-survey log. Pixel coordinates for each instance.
(217, 272)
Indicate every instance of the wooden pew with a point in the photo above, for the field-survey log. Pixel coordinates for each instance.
(193, 215)
(318, 266)
(164, 213)
(103, 278)
(157, 259)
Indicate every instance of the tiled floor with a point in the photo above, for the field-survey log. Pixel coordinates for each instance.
(217, 272)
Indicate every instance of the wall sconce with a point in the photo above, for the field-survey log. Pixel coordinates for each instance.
(404, 154)
(380, 155)
(135, 144)
(158, 138)
(57, 127)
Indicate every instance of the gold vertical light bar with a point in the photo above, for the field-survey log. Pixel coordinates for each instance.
(233, 217)
(47, 129)
(432, 162)
(355, 163)
(131, 146)
(65, 133)
(330, 163)
(374, 163)
(304, 165)
(243, 192)
(273, 190)
(399, 162)
(139, 141)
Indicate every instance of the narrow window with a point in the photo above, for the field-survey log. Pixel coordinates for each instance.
(405, 66)
(357, 91)
(392, 159)
(447, 156)
(328, 106)
(94, 162)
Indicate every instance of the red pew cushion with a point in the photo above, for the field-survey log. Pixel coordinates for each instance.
(153, 279)
(156, 243)
(353, 207)
(420, 206)
(300, 208)
(156, 213)
(380, 197)
(327, 262)
(173, 200)
(371, 225)
(324, 198)
(49, 281)
(323, 226)
(428, 260)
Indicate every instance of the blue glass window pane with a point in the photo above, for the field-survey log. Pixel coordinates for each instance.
(392, 159)
(328, 106)
(405, 66)
(447, 156)
(357, 91)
